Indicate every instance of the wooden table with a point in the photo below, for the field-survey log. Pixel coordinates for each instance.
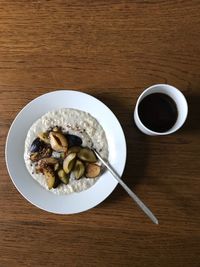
(111, 50)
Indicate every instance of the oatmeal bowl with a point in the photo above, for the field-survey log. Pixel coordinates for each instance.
(50, 151)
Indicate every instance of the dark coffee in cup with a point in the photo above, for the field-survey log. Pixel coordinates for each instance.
(158, 112)
(161, 109)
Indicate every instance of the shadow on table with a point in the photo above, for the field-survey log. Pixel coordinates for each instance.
(183, 200)
(137, 147)
(193, 119)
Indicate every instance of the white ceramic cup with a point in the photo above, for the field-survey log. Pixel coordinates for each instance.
(176, 95)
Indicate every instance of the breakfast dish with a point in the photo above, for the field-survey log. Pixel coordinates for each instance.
(20, 135)
(59, 150)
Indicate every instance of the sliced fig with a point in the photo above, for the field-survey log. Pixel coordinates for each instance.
(44, 137)
(50, 177)
(87, 155)
(79, 169)
(37, 145)
(58, 142)
(57, 182)
(44, 153)
(34, 156)
(73, 140)
(69, 162)
(47, 161)
(92, 170)
(74, 149)
(63, 176)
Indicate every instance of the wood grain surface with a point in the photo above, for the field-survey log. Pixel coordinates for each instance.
(111, 50)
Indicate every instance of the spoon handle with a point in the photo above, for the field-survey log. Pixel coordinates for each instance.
(139, 202)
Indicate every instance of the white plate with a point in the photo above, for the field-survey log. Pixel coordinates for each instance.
(31, 189)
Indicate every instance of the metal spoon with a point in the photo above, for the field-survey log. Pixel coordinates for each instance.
(128, 190)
